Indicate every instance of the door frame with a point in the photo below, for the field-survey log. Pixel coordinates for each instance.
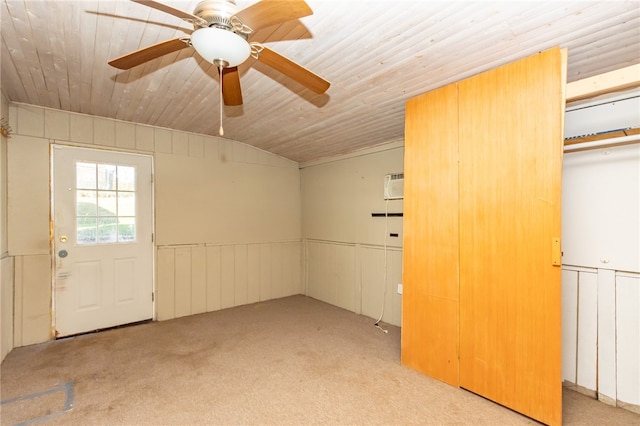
(52, 252)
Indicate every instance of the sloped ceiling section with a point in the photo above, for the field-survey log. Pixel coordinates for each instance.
(375, 53)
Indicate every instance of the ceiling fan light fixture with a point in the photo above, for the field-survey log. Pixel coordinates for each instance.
(217, 46)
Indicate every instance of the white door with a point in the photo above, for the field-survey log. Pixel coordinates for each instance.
(102, 209)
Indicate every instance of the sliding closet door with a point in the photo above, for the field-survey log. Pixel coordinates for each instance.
(430, 248)
(511, 136)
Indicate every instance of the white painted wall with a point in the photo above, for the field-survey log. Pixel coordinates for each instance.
(344, 245)
(601, 262)
(228, 229)
(601, 207)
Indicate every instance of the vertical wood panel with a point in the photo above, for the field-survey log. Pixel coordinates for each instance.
(291, 268)
(165, 299)
(253, 271)
(628, 339)
(285, 269)
(162, 138)
(30, 121)
(144, 138)
(569, 325)
(351, 276)
(8, 308)
(196, 145)
(214, 291)
(430, 232)
(198, 280)
(56, 124)
(180, 143)
(125, 135)
(277, 286)
(241, 296)
(344, 276)
(587, 357)
(28, 195)
(36, 292)
(227, 277)
(358, 278)
(310, 268)
(511, 138)
(374, 293)
(394, 314)
(606, 335)
(371, 281)
(265, 272)
(104, 131)
(18, 301)
(182, 289)
(81, 128)
(317, 264)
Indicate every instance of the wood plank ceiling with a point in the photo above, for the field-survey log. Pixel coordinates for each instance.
(375, 53)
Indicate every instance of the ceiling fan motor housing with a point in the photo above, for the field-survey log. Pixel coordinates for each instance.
(217, 13)
(224, 41)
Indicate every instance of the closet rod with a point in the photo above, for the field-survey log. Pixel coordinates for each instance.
(603, 143)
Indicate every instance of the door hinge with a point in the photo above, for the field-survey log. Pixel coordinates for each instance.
(152, 237)
(153, 297)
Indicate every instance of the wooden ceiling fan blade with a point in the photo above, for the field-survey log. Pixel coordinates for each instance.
(272, 12)
(296, 72)
(231, 90)
(146, 54)
(173, 11)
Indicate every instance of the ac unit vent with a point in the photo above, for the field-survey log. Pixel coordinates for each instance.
(394, 186)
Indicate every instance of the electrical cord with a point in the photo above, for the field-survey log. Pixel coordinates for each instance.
(384, 297)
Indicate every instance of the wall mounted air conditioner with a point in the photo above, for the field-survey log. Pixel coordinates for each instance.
(394, 186)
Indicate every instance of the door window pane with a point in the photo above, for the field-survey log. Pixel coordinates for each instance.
(126, 204)
(106, 176)
(86, 230)
(85, 175)
(105, 203)
(86, 203)
(126, 178)
(107, 232)
(126, 229)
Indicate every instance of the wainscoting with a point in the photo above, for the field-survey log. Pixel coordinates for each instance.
(352, 276)
(601, 334)
(193, 279)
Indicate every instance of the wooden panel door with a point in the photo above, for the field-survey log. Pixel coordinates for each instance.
(430, 248)
(511, 138)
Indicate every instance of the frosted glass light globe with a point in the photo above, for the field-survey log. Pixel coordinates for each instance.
(216, 44)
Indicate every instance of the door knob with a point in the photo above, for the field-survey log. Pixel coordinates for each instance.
(63, 253)
(63, 239)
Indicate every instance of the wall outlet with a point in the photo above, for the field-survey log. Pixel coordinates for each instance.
(399, 288)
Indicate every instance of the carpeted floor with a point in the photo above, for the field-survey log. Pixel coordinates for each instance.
(288, 361)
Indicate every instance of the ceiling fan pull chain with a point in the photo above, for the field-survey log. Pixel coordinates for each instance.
(220, 130)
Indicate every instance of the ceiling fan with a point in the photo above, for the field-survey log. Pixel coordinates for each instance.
(221, 36)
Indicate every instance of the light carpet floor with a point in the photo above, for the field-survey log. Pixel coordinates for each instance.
(290, 361)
